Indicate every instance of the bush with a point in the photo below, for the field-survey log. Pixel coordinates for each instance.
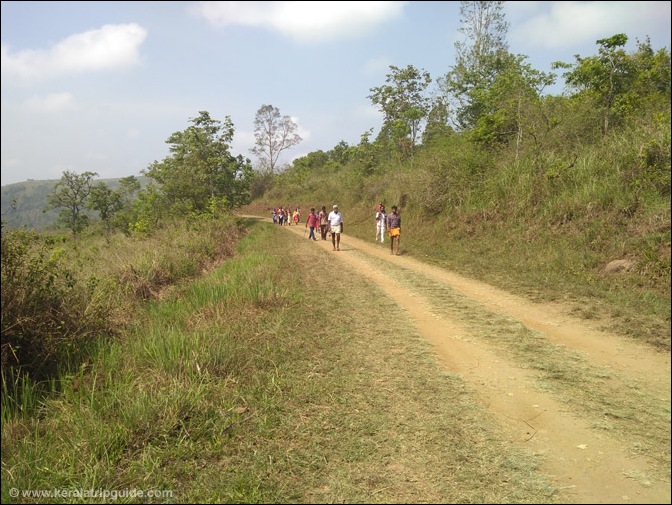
(48, 315)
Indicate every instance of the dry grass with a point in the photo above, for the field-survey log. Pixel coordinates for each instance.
(611, 402)
(374, 419)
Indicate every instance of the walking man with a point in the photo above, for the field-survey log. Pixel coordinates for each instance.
(324, 222)
(336, 225)
(393, 224)
(312, 223)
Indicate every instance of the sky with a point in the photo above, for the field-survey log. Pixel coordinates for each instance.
(100, 86)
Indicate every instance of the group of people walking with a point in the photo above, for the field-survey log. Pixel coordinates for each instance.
(284, 216)
(332, 224)
(327, 223)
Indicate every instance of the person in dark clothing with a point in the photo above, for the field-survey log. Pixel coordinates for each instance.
(393, 225)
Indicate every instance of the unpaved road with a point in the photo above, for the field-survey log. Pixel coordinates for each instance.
(587, 465)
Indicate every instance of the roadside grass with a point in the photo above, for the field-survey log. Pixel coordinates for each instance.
(547, 262)
(280, 377)
(615, 405)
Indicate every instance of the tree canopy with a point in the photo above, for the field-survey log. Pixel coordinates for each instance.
(201, 173)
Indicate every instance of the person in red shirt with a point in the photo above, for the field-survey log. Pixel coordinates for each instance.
(312, 223)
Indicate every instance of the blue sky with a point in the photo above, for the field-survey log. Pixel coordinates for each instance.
(100, 86)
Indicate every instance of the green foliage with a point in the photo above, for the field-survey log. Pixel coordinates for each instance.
(262, 183)
(71, 194)
(114, 206)
(617, 82)
(105, 201)
(405, 104)
(200, 167)
(48, 314)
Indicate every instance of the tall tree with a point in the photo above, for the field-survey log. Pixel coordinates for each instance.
(273, 133)
(201, 170)
(70, 195)
(404, 103)
(478, 61)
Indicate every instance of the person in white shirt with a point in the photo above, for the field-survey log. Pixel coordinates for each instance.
(336, 226)
(380, 224)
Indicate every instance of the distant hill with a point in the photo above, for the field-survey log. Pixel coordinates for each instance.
(23, 203)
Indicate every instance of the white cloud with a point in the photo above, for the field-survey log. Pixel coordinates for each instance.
(559, 25)
(110, 47)
(302, 132)
(303, 21)
(54, 102)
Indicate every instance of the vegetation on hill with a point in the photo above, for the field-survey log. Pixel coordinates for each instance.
(26, 204)
(23, 205)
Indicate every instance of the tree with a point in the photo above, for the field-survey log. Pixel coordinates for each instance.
(508, 103)
(437, 127)
(273, 134)
(109, 203)
(404, 104)
(479, 59)
(492, 93)
(105, 201)
(201, 173)
(70, 195)
(341, 152)
(615, 81)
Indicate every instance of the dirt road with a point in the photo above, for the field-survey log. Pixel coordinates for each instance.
(589, 464)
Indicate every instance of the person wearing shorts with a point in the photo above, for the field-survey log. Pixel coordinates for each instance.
(336, 227)
(393, 225)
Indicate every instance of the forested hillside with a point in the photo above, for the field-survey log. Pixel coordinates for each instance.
(24, 203)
